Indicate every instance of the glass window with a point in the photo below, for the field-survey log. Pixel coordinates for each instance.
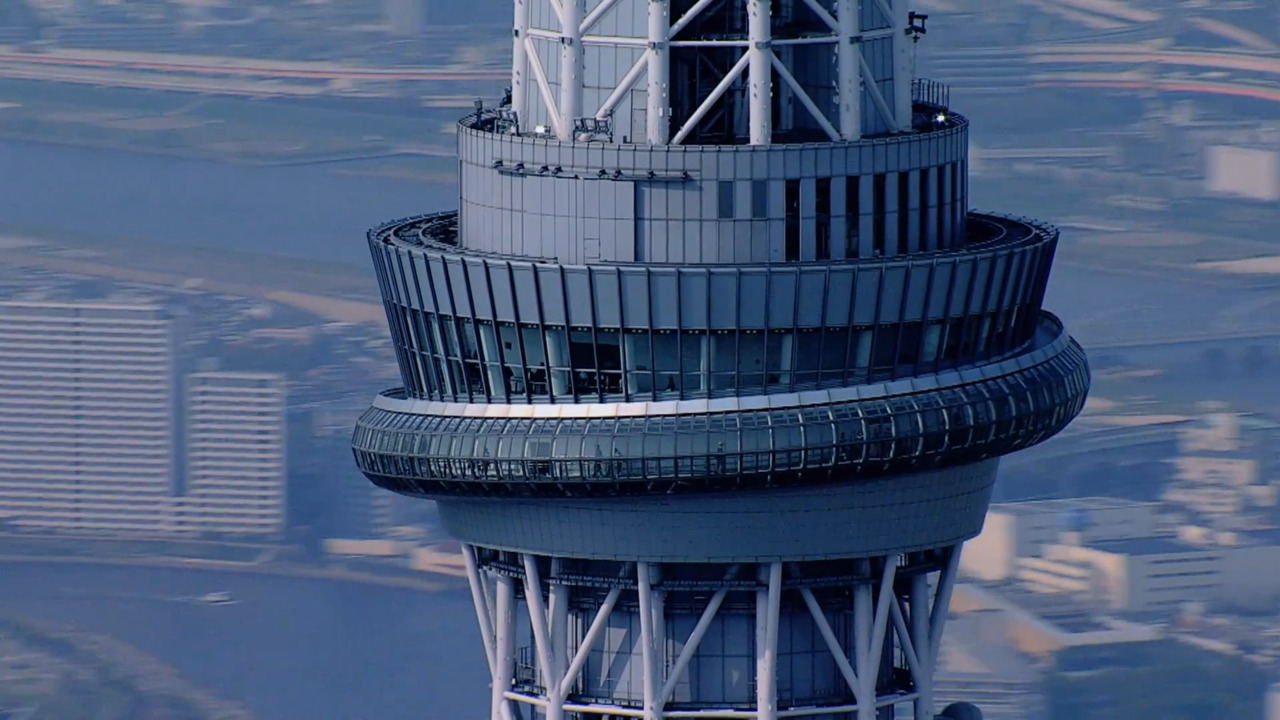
(512, 369)
(861, 350)
(724, 194)
(778, 357)
(759, 199)
(879, 194)
(904, 213)
(853, 213)
(535, 361)
(751, 356)
(609, 360)
(931, 343)
(666, 360)
(582, 353)
(922, 210)
(834, 355)
(909, 344)
(792, 228)
(810, 344)
(639, 360)
(693, 360)
(822, 216)
(724, 359)
(558, 359)
(885, 348)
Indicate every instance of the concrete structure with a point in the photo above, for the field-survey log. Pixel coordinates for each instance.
(1218, 473)
(711, 370)
(86, 417)
(1273, 702)
(1021, 530)
(235, 453)
(1249, 173)
(1144, 575)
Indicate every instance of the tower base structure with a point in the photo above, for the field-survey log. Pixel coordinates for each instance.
(849, 639)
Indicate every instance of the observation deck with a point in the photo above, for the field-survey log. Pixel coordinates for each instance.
(714, 346)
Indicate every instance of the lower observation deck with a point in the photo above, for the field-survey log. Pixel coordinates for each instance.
(806, 439)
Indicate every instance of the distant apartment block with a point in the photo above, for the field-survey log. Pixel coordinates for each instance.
(235, 454)
(86, 417)
(1021, 529)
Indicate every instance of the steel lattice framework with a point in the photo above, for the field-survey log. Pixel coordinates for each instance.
(711, 373)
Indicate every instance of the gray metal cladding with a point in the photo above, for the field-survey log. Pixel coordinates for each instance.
(577, 202)
(979, 292)
(930, 508)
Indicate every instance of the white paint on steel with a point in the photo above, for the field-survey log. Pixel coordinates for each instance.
(760, 74)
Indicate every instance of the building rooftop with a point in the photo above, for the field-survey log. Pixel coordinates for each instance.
(1147, 546)
(1039, 507)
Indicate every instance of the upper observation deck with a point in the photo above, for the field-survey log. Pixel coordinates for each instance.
(590, 199)
(486, 328)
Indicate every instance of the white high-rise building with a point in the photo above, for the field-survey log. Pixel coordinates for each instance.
(235, 451)
(86, 417)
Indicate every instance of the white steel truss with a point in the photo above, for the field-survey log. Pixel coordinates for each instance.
(760, 58)
(887, 611)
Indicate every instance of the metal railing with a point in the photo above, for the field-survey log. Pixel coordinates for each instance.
(930, 92)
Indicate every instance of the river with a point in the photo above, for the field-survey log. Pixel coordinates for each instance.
(290, 649)
(315, 211)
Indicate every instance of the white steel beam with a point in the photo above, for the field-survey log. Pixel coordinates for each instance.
(903, 60)
(691, 645)
(544, 87)
(942, 602)
(768, 602)
(873, 90)
(905, 643)
(760, 75)
(520, 61)
(571, 67)
(822, 14)
(849, 54)
(598, 624)
(558, 627)
(658, 112)
(885, 10)
(648, 648)
(920, 633)
(690, 15)
(597, 13)
(804, 98)
(480, 598)
(881, 622)
(711, 99)
(863, 627)
(829, 637)
(624, 86)
(504, 632)
(542, 638)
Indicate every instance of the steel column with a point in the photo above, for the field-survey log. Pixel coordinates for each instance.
(920, 643)
(760, 72)
(571, 67)
(648, 648)
(480, 597)
(903, 60)
(850, 68)
(658, 112)
(520, 62)
(504, 634)
(768, 602)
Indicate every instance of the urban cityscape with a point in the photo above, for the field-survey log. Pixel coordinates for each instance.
(192, 333)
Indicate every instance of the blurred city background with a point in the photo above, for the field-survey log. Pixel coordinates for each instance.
(189, 328)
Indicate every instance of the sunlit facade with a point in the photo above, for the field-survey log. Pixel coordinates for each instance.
(87, 417)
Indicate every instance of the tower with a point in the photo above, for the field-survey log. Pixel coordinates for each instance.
(711, 371)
